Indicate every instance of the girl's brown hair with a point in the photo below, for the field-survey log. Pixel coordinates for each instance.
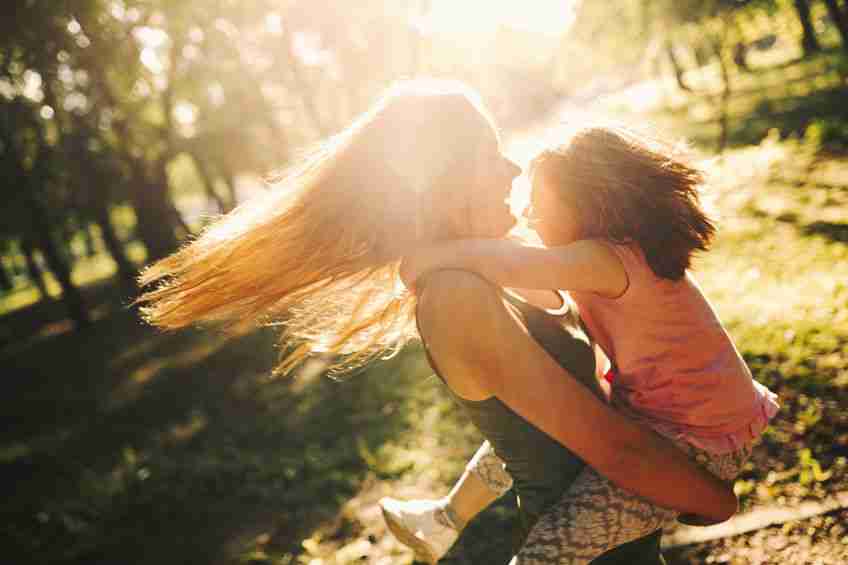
(320, 251)
(627, 187)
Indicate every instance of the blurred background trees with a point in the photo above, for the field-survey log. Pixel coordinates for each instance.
(126, 124)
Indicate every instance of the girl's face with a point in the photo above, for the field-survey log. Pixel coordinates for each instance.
(491, 216)
(549, 215)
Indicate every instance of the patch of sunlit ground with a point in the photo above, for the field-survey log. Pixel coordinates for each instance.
(774, 261)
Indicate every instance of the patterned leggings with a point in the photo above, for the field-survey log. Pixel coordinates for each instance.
(594, 515)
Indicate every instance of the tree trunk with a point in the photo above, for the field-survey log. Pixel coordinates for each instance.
(740, 56)
(16, 268)
(809, 42)
(208, 182)
(840, 19)
(725, 96)
(5, 279)
(126, 269)
(34, 271)
(88, 240)
(154, 214)
(230, 181)
(67, 231)
(678, 70)
(154, 226)
(60, 269)
(153, 208)
(163, 186)
(301, 85)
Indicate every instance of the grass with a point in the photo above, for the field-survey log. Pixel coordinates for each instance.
(121, 445)
(779, 276)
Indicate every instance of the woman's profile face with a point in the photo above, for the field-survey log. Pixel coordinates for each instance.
(490, 216)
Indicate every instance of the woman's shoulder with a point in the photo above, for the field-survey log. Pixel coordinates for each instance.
(461, 304)
(453, 291)
(458, 321)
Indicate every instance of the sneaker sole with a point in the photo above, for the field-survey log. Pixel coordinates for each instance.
(404, 536)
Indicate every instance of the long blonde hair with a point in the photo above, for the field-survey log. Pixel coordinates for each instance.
(319, 253)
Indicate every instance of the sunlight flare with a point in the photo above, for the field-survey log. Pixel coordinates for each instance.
(547, 17)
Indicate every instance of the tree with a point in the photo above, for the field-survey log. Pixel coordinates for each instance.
(676, 67)
(839, 16)
(36, 277)
(5, 278)
(99, 169)
(26, 159)
(808, 40)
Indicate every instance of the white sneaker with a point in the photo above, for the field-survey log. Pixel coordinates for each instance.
(423, 525)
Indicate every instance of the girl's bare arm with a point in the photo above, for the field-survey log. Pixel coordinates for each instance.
(585, 265)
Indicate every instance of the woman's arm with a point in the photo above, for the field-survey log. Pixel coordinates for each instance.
(585, 265)
(482, 350)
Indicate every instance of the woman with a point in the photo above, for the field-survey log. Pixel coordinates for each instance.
(542, 468)
(322, 253)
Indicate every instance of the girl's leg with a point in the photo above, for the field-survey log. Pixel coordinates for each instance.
(484, 480)
(431, 527)
(595, 516)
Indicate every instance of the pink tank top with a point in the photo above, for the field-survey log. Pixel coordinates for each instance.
(677, 368)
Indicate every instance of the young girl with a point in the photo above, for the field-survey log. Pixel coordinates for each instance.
(620, 217)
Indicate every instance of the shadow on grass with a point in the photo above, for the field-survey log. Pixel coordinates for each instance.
(834, 231)
(790, 115)
(46, 319)
(824, 53)
(121, 445)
